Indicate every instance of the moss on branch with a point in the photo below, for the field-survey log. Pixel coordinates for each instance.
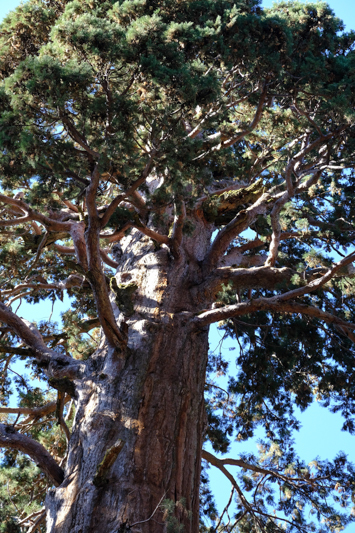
(222, 208)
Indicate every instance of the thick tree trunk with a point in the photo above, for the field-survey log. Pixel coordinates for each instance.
(138, 430)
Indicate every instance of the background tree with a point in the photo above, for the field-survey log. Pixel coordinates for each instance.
(171, 165)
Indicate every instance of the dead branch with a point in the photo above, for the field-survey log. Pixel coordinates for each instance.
(49, 223)
(33, 412)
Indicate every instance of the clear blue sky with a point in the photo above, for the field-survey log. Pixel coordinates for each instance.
(320, 434)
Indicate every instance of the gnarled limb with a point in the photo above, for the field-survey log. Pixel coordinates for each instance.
(240, 223)
(31, 215)
(262, 277)
(10, 438)
(272, 305)
(95, 273)
(72, 281)
(55, 364)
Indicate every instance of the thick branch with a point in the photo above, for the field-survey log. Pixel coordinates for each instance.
(9, 438)
(262, 277)
(272, 305)
(177, 235)
(158, 237)
(95, 275)
(56, 364)
(33, 412)
(241, 222)
(51, 224)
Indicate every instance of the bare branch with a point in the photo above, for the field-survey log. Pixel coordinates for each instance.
(37, 523)
(33, 412)
(51, 224)
(9, 438)
(106, 259)
(272, 305)
(162, 239)
(213, 460)
(95, 273)
(55, 363)
(276, 229)
(72, 281)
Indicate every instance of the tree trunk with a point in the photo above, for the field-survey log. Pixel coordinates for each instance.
(139, 424)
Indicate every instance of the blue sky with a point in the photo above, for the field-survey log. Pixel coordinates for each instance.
(320, 434)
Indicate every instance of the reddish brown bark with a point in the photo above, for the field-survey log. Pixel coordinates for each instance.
(138, 431)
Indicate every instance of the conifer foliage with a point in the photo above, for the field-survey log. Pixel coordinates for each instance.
(170, 164)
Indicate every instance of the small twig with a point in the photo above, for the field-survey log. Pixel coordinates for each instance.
(151, 516)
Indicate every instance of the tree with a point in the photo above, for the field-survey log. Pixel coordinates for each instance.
(170, 165)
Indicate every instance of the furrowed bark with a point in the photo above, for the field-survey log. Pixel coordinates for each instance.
(138, 429)
(10, 438)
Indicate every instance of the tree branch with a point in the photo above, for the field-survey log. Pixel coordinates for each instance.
(177, 235)
(95, 274)
(49, 223)
(272, 305)
(213, 460)
(33, 412)
(72, 281)
(76, 136)
(240, 222)
(258, 114)
(261, 277)
(9, 438)
(55, 364)
(115, 203)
